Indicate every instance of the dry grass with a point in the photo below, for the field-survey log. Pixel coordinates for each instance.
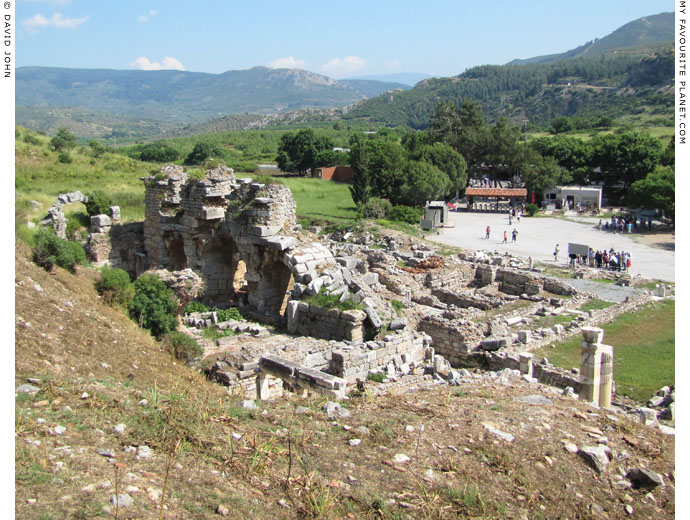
(305, 461)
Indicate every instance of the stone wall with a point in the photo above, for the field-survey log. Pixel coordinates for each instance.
(403, 351)
(122, 246)
(516, 282)
(454, 340)
(319, 322)
(468, 298)
(545, 373)
(451, 279)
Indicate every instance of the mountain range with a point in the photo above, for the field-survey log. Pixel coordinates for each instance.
(629, 70)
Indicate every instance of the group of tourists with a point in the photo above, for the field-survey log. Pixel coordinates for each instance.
(611, 260)
(622, 225)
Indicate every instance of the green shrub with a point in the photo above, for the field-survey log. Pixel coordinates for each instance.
(76, 222)
(397, 306)
(158, 152)
(115, 287)
(50, 250)
(98, 203)
(405, 214)
(32, 139)
(64, 140)
(375, 208)
(203, 151)
(231, 313)
(153, 306)
(376, 376)
(532, 209)
(183, 347)
(64, 158)
(332, 301)
(195, 307)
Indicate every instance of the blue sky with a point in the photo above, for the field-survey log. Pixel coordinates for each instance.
(338, 39)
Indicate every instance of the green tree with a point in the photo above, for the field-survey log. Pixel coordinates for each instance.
(448, 161)
(474, 136)
(97, 149)
(423, 182)
(656, 191)
(360, 190)
(203, 151)
(154, 305)
(444, 126)
(562, 124)
(626, 157)
(668, 157)
(64, 140)
(158, 152)
(332, 158)
(98, 203)
(539, 173)
(298, 152)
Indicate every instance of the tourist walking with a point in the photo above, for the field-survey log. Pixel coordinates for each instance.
(505, 237)
(555, 253)
(515, 232)
(488, 231)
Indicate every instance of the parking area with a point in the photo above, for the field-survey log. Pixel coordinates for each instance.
(537, 238)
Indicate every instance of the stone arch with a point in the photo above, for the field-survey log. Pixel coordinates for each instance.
(174, 252)
(271, 284)
(218, 264)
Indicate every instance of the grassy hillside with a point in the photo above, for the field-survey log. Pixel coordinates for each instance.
(95, 369)
(40, 176)
(644, 350)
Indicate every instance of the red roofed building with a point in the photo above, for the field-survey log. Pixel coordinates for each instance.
(514, 196)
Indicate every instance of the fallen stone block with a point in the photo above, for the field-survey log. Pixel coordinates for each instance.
(277, 365)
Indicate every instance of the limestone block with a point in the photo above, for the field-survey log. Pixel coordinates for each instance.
(115, 213)
(101, 221)
(593, 334)
(292, 312)
(524, 336)
(212, 213)
(348, 262)
(373, 317)
(398, 324)
(278, 365)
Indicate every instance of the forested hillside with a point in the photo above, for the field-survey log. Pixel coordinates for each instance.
(605, 85)
(641, 33)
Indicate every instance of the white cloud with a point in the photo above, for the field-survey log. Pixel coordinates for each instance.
(169, 63)
(147, 17)
(392, 64)
(287, 63)
(347, 65)
(58, 21)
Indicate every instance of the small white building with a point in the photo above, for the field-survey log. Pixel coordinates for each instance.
(587, 196)
(435, 214)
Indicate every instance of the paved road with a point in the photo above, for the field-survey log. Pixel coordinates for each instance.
(537, 238)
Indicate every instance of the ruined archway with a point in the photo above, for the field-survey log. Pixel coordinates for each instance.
(270, 292)
(222, 269)
(174, 248)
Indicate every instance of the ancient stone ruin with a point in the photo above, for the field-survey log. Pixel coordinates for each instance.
(235, 242)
